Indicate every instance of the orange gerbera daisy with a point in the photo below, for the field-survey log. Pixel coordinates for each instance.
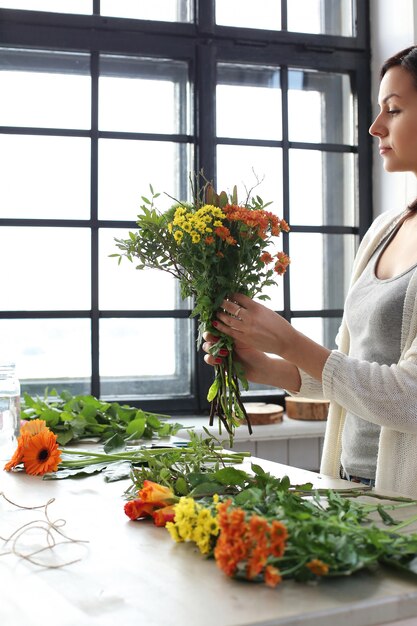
(33, 427)
(18, 453)
(41, 453)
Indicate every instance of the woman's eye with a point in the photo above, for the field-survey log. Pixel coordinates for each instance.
(394, 111)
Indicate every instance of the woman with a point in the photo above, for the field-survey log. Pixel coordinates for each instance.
(371, 379)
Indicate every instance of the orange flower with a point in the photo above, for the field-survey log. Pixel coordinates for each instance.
(18, 453)
(209, 240)
(258, 526)
(33, 427)
(164, 515)
(282, 263)
(266, 258)
(41, 453)
(257, 561)
(248, 544)
(154, 501)
(223, 232)
(272, 576)
(27, 430)
(155, 493)
(317, 567)
(136, 509)
(279, 536)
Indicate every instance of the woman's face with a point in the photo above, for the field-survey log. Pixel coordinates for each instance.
(396, 124)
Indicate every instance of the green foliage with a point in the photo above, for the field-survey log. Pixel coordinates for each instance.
(335, 528)
(73, 418)
(182, 467)
(202, 468)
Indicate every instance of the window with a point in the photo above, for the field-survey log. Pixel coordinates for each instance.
(101, 98)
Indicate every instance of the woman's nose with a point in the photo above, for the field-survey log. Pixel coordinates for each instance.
(377, 129)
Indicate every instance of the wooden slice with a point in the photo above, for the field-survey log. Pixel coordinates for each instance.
(262, 413)
(306, 409)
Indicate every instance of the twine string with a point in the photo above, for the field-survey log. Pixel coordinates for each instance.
(51, 532)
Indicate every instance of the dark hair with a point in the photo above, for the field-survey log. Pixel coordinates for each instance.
(405, 58)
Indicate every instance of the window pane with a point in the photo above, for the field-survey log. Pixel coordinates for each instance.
(327, 194)
(127, 167)
(242, 165)
(49, 353)
(124, 287)
(56, 175)
(143, 357)
(320, 270)
(321, 330)
(47, 268)
(320, 108)
(144, 95)
(44, 89)
(57, 6)
(165, 10)
(329, 17)
(264, 14)
(248, 102)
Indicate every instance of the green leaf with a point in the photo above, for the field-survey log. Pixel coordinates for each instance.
(257, 469)
(231, 476)
(117, 471)
(181, 487)
(66, 416)
(153, 421)
(116, 442)
(68, 472)
(136, 428)
(207, 489)
(65, 437)
(212, 392)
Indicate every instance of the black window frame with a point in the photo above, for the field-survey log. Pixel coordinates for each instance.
(203, 44)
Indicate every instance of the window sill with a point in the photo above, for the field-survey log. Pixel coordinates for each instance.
(287, 429)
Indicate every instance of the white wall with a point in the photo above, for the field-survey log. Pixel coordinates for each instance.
(393, 27)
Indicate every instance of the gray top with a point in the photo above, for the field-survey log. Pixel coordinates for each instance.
(373, 310)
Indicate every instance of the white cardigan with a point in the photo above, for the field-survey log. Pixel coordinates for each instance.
(382, 394)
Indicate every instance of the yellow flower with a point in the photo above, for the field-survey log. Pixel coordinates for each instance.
(178, 235)
(195, 237)
(178, 221)
(173, 531)
(217, 223)
(170, 226)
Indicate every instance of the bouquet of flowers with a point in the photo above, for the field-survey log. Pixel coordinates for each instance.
(214, 246)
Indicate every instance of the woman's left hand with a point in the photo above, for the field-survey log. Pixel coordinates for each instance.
(254, 324)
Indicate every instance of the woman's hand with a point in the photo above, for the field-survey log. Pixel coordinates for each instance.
(261, 329)
(258, 367)
(255, 325)
(256, 364)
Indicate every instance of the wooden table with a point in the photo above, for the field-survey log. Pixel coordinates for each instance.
(132, 573)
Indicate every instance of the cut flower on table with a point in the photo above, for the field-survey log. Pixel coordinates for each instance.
(215, 246)
(266, 530)
(37, 449)
(38, 453)
(154, 501)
